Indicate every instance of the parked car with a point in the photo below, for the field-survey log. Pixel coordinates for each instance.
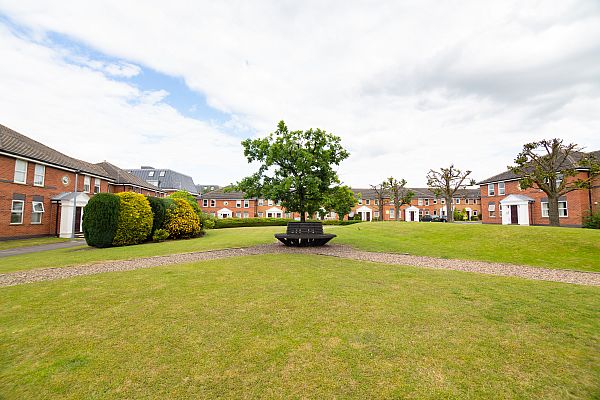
(426, 218)
(441, 218)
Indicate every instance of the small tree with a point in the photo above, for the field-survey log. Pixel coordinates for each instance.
(553, 167)
(399, 194)
(181, 221)
(381, 193)
(135, 219)
(341, 200)
(100, 218)
(446, 182)
(296, 168)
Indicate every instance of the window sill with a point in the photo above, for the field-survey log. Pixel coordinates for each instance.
(16, 223)
(20, 183)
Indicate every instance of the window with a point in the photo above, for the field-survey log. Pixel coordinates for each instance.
(376, 214)
(205, 203)
(376, 202)
(368, 202)
(391, 213)
(420, 202)
(426, 202)
(562, 209)
(38, 212)
(155, 183)
(434, 201)
(238, 214)
(96, 185)
(501, 188)
(442, 201)
(225, 203)
(86, 184)
(213, 203)
(426, 212)
(260, 215)
(246, 204)
(38, 176)
(162, 173)
(269, 202)
(288, 215)
(456, 201)
(261, 202)
(491, 191)
(20, 171)
(492, 210)
(16, 212)
(245, 215)
(475, 212)
(434, 212)
(359, 201)
(238, 204)
(151, 174)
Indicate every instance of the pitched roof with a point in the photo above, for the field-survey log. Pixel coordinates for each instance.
(166, 179)
(17, 144)
(123, 177)
(221, 194)
(572, 161)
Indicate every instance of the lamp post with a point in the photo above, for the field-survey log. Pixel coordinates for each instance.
(75, 205)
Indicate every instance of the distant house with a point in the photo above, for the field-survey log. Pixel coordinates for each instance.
(222, 204)
(165, 179)
(425, 202)
(207, 188)
(504, 202)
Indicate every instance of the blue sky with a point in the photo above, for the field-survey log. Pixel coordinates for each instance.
(407, 86)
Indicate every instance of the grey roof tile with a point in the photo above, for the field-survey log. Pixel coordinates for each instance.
(122, 177)
(167, 179)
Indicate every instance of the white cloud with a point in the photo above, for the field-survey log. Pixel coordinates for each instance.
(409, 86)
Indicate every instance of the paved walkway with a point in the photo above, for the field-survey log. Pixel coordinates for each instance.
(41, 247)
(522, 271)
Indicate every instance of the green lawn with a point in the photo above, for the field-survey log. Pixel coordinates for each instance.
(13, 244)
(566, 248)
(298, 326)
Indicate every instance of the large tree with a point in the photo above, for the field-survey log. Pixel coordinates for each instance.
(381, 194)
(296, 168)
(446, 182)
(556, 169)
(341, 200)
(399, 194)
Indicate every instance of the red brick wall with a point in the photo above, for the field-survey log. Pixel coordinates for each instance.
(52, 187)
(578, 203)
(253, 210)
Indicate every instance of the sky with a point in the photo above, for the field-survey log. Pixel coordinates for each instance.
(409, 86)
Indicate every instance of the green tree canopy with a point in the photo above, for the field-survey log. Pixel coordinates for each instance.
(341, 200)
(296, 168)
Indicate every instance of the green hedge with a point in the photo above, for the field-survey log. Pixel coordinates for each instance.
(135, 219)
(246, 222)
(100, 219)
(159, 208)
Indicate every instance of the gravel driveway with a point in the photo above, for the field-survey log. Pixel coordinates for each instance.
(522, 271)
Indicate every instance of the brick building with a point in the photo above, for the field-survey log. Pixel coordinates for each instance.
(222, 204)
(42, 191)
(504, 202)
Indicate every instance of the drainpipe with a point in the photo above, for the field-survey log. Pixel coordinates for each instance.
(75, 205)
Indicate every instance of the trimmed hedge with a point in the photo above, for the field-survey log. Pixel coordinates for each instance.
(246, 222)
(181, 221)
(135, 219)
(159, 209)
(100, 219)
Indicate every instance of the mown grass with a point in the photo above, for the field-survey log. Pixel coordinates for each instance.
(13, 244)
(564, 248)
(298, 326)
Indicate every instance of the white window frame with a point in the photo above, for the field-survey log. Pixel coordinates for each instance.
(426, 202)
(442, 201)
(246, 215)
(18, 171)
(213, 203)
(359, 201)
(475, 212)
(434, 201)
(420, 201)
(376, 214)
(97, 186)
(269, 202)
(261, 202)
(225, 203)
(491, 190)
(238, 204)
(238, 214)
(545, 209)
(35, 213)
(87, 181)
(204, 202)
(457, 200)
(501, 188)
(150, 174)
(37, 174)
(246, 204)
(260, 214)
(392, 215)
(161, 174)
(13, 211)
(492, 210)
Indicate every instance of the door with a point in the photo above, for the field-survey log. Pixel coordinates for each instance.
(78, 219)
(412, 215)
(514, 215)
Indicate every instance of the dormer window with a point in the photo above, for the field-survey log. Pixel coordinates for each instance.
(162, 173)
(151, 174)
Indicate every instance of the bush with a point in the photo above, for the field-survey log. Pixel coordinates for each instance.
(100, 218)
(245, 222)
(592, 221)
(159, 208)
(135, 219)
(207, 221)
(181, 221)
(474, 217)
(160, 235)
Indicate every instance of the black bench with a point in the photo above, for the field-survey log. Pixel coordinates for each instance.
(304, 234)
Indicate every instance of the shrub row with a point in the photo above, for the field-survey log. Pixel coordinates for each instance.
(128, 218)
(246, 222)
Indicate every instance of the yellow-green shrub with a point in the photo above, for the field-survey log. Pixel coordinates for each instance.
(181, 221)
(135, 219)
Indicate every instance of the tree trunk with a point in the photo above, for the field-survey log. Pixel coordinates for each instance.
(397, 213)
(449, 211)
(553, 211)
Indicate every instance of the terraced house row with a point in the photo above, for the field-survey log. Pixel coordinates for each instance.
(43, 191)
(223, 204)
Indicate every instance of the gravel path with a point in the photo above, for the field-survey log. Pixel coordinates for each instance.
(522, 271)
